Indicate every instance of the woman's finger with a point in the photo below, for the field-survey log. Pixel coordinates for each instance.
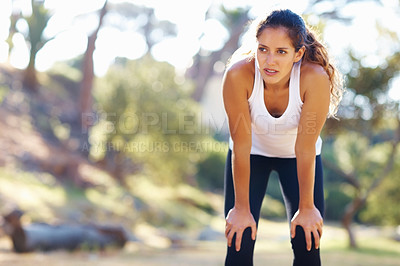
(227, 229)
(238, 242)
(292, 229)
(253, 231)
(316, 238)
(308, 239)
(319, 231)
(230, 237)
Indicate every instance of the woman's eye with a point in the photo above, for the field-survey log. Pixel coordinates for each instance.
(282, 52)
(261, 49)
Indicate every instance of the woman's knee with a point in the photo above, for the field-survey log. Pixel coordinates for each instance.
(301, 255)
(245, 255)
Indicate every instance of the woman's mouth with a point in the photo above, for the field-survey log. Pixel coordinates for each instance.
(270, 72)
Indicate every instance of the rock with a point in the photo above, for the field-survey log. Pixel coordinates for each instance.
(397, 234)
(209, 234)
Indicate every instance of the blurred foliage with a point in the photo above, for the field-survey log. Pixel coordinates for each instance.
(3, 92)
(336, 200)
(361, 144)
(210, 173)
(44, 198)
(142, 19)
(145, 114)
(37, 22)
(273, 208)
(383, 206)
(164, 205)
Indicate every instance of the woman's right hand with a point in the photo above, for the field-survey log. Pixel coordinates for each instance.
(237, 221)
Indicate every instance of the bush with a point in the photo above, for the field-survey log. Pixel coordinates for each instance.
(335, 202)
(211, 169)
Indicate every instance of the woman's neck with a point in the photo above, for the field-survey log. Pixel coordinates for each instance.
(277, 86)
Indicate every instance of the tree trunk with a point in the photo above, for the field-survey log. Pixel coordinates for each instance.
(37, 22)
(85, 104)
(348, 217)
(30, 80)
(203, 68)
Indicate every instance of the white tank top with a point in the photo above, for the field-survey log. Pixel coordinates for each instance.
(271, 136)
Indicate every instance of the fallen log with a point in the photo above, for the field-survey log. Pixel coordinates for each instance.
(46, 237)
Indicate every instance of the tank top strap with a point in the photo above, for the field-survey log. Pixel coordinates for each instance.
(294, 85)
(258, 85)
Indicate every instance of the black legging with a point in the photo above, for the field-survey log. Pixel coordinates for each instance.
(260, 169)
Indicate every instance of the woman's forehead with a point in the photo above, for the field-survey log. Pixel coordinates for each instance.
(275, 37)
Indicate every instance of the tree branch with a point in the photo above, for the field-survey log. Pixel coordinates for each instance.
(350, 178)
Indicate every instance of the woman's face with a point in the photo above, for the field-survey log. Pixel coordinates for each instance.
(276, 55)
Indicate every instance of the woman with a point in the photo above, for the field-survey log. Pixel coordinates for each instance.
(277, 100)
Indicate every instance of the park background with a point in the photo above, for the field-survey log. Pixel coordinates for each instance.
(111, 112)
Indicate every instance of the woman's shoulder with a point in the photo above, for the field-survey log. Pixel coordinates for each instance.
(239, 77)
(242, 69)
(310, 71)
(313, 78)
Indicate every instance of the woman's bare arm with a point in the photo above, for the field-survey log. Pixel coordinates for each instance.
(235, 94)
(313, 116)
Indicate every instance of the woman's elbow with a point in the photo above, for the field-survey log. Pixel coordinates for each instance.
(304, 149)
(241, 147)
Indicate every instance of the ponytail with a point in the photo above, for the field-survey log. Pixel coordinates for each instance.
(317, 53)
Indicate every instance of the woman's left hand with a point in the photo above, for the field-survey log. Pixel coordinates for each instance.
(311, 221)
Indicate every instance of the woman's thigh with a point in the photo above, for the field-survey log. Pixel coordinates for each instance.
(260, 169)
(287, 170)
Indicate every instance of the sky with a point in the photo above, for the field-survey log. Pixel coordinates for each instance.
(70, 26)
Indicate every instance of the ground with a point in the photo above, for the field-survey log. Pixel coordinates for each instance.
(272, 248)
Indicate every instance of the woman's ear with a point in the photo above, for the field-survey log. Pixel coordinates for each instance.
(299, 54)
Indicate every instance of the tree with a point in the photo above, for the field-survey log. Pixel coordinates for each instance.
(203, 67)
(385, 195)
(13, 29)
(147, 122)
(85, 98)
(37, 22)
(370, 129)
(121, 12)
(143, 20)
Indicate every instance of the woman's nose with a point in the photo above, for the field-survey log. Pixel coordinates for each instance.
(270, 60)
